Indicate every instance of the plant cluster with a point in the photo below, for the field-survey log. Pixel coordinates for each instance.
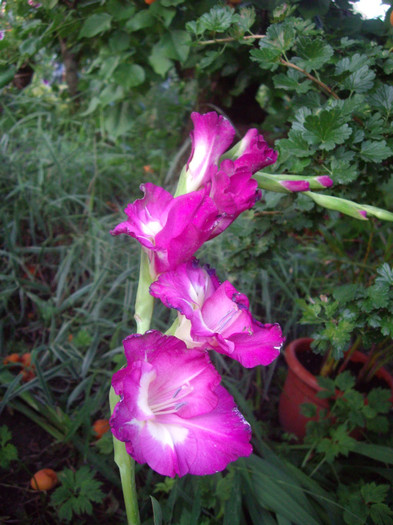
(106, 109)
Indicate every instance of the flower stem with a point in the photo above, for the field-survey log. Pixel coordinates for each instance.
(144, 305)
(127, 472)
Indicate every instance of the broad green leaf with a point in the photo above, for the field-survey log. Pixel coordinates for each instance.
(159, 61)
(267, 56)
(325, 129)
(351, 64)
(6, 75)
(164, 15)
(217, 20)
(292, 80)
(382, 99)
(279, 38)
(313, 52)
(30, 46)
(119, 10)
(118, 119)
(176, 45)
(111, 94)
(361, 80)
(141, 20)
(119, 41)
(245, 19)
(295, 144)
(129, 75)
(344, 171)
(108, 65)
(373, 151)
(95, 24)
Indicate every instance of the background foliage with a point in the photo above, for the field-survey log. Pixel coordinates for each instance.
(108, 107)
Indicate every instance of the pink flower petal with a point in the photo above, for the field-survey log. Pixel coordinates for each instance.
(173, 414)
(295, 185)
(219, 316)
(211, 137)
(254, 152)
(172, 229)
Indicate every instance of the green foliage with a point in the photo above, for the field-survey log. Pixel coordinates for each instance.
(365, 503)
(8, 451)
(364, 312)
(77, 493)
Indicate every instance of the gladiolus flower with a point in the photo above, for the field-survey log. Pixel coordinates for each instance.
(216, 316)
(171, 229)
(173, 414)
(211, 137)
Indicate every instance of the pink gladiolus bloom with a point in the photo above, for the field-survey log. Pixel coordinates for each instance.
(233, 191)
(254, 152)
(212, 136)
(216, 316)
(173, 414)
(170, 229)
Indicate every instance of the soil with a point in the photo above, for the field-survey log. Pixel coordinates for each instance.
(19, 503)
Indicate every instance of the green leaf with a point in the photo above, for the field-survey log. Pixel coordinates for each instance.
(381, 514)
(377, 452)
(245, 19)
(217, 20)
(382, 99)
(308, 409)
(375, 151)
(6, 75)
(345, 381)
(351, 64)
(295, 144)
(292, 80)
(360, 81)
(119, 41)
(141, 20)
(159, 61)
(129, 75)
(157, 512)
(29, 46)
(176, 45)
(95, 24)
(279, 38)
(325, 129)
(313, 52)
(119, 10)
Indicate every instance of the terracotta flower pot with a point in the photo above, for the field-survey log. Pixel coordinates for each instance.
(301, 387)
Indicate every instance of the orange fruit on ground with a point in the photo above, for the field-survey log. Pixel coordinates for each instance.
(44, 479)
(12, 358)
(149, 2)
(391, 17)
(26, 359)
(100, 427)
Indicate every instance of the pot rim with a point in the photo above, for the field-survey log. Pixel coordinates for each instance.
(303, 344)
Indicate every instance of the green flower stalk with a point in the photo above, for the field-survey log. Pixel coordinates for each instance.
(358, 211)
(144, 305)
